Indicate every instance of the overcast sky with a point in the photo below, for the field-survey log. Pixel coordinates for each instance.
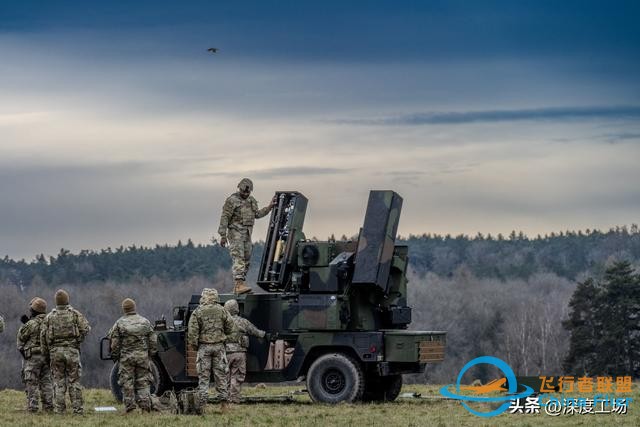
(117, 127)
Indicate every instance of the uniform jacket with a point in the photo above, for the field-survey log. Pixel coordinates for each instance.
(132, 336)
(240, 214)
(210, 323)
(64, 326)
(28, 340)
(238, 339)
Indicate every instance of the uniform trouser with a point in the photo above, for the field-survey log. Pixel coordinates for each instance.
(212, 358)
(36, 376)
(240, 250)
(134, 377)
(237, 373)
(66, 370)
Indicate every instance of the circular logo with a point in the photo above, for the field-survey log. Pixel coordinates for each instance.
(497, 385)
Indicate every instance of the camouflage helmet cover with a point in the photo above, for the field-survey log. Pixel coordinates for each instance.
(245, 184)
(209, 296)
(232, 307)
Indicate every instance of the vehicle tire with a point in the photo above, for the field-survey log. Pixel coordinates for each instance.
(382, 389)
(157, 384)
(335, 378)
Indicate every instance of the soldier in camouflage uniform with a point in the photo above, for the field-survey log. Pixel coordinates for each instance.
(236, 346)
(209, 325)
(133, 344)
(63, 330)
(239, 213)
(1, 324)
(36, 373)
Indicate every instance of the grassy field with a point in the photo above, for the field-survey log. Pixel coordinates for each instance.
(404, 412)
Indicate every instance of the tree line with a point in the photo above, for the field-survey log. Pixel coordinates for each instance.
(567, 303)
(516, 256)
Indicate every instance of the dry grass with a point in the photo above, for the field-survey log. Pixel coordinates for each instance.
(404, 412)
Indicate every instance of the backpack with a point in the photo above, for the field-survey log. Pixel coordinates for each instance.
(64, 325)
(167, 403)
(189, 402)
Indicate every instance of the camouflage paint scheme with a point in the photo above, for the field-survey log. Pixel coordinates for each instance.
(333, 296)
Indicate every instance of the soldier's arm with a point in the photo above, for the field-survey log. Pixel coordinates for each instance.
(227, 323)
(193, 332)
(83, 326)
(44, 336)
(225, 217)
(259, 213)
(153, 341)
(114, 341)
(250, 328)
(23, 335)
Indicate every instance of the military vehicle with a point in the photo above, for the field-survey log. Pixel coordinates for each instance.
(336, 312)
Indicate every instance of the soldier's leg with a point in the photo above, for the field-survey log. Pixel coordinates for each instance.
(220, 367)
(203, 364)
(248, 247)
(46, 385)
(74, 372)
(237, 372)
(30, 374)
(142, 384)
(232, 361)
(236, 250)
(58, 374)
(126, 379)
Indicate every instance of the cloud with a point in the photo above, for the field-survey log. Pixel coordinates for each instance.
(494, 116)
(279, 172)
(622, 137)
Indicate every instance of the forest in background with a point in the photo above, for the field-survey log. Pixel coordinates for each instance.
(494, 295)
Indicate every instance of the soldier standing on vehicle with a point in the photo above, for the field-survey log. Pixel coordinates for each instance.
(63, 330)
(236, 346)
(239, 213)
(209, 325)
(133, 344)
(36, 373)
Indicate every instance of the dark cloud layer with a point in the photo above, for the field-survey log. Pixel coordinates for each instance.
(353, 30)
(279, 172)
(491, 116)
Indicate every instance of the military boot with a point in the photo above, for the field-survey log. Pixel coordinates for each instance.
(241, 288)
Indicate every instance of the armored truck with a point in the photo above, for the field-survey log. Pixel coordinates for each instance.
(336, 312)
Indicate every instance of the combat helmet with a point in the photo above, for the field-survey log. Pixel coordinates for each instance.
(232, 307)
(209, 296)
(245, 184)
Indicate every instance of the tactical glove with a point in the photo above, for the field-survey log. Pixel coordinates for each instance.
(271, 336)
(223, 242)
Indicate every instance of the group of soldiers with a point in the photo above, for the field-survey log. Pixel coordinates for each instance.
(221, 337)
(50, 343)
(50, 347)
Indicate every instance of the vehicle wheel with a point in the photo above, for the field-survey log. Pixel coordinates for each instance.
(157, 383)
(382, 389)
(335, 378)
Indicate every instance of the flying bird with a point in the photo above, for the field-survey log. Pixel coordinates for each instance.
(213, 50)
